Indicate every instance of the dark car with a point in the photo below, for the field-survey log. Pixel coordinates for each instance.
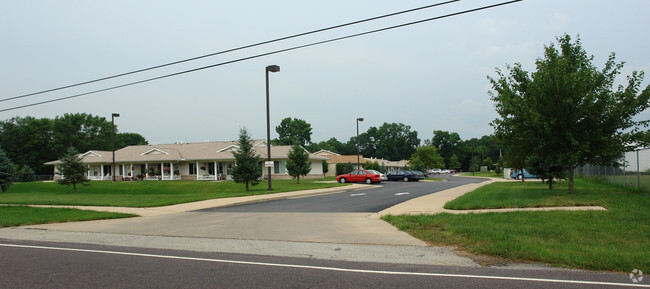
(403, 175)
(420, 174)
(366, 176)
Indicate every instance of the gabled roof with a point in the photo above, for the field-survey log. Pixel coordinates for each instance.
(326, 153)
(206, 151)
(344, 159)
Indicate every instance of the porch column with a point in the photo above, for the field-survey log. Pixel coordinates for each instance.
(196, 170)
(102, 171)
(146, 168)
(216, 170)
(88, 172)
(171, 170)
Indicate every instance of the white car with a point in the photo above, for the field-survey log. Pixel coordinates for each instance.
(445, 172)
(382, 176)
(435, 171)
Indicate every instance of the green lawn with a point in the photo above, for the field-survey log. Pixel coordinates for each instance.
(616, 240)
(23, 215)
(483, 174)
(531, 194)
(144, 193)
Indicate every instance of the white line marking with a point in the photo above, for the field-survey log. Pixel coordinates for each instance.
(331, 268)
(404, 193)
(359, 194)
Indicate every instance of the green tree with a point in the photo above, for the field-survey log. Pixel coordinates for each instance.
(72, 170)
(298, 163)
(125, 139)
(446, 143)
(82, 131)
(391, 141)
(247, 167)
(454, 163)
(567, 112)
(27, 141)
(326, 167)
(293, 132)
(6, 171)
(488, 163)
(372, 166)
(25, 174)
(344, 168)
(474, 164)
(425, 158)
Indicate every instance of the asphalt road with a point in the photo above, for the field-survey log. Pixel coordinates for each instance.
(56, 265)
(384, 195)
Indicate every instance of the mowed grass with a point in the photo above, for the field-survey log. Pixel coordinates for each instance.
(144, 193)
(483, 174)
(532, 193)
(615, 240)
(24, 215)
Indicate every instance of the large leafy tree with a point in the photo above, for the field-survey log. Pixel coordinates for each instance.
(298, 163)
(72, 170)
(446, 143)
(82, 131)
(27, 142)
(125, 139)
(247, 168)
(425, 158)
(6, 171)
(293, 131)
(567, 113)
(391, 141)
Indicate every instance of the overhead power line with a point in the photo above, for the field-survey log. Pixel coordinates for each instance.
(266, 54)
(229, 50)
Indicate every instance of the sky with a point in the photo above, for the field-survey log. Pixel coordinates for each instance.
(430, 76)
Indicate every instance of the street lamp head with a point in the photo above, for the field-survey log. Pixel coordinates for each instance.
(115, 115)
(273, 68)
(360, 119)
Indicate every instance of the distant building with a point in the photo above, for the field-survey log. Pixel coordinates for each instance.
(184, 161)
(335, 158)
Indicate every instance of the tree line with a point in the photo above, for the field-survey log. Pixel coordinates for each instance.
(397, 141)
(29, 142)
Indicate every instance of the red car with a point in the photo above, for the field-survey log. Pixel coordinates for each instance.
(366, 176)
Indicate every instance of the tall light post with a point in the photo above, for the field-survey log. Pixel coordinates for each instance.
(113, 116)
(270, 68)
(358, 161)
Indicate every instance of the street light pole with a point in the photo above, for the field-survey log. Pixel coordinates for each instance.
(113, 116)
(358, 161)
(270, 68)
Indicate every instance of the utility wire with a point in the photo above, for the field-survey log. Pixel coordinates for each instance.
(268, 53)
(230, 50)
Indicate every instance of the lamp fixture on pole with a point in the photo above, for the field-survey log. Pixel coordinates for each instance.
(358, 158)
(113, 116)
(270, 68)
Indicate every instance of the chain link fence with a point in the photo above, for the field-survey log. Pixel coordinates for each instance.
(635, 173)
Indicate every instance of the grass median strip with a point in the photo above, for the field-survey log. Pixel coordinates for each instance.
(615, 240)
(144, 193)
(24, 215)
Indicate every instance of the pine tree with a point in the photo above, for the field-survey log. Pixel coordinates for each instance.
(247, 164)
(298, 163)
(6, 171)
(72, 170)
